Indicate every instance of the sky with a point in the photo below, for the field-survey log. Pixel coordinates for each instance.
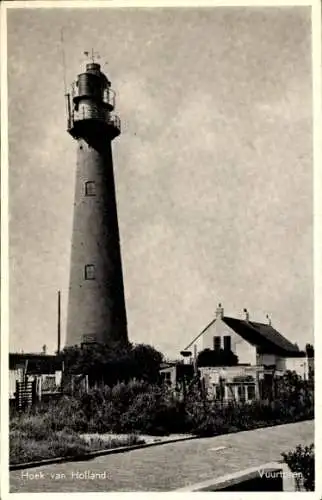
(213, 169)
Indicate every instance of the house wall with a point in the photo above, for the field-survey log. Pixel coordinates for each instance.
(281, 363)
(14, 375)
(170, 374)
(299, 365)
(231, 379)
(271, 359)
(17, 375)
(246, 352)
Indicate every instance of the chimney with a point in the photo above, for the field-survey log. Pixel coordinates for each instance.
(246, 314)
(219, 311)
(44, 349)
(269, 321)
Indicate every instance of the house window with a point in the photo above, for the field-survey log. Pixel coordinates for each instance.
(90, 188)
(168, 378)
(230, 394)
(217, 343)
(251, 392)
(241, 393)
(220, 392)
(89, 272)
(227, 343)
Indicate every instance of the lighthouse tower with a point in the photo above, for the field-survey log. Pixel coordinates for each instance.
(96, 305)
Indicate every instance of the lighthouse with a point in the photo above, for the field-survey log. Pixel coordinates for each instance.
(96, 303)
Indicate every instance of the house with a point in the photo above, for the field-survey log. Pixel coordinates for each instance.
(39, 375)
(263, 355)
(176, 374)
(232, 383)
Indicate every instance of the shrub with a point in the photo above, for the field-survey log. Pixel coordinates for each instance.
(301, 461)
(32, 426)
(139, 406)
(23, 449)
(147, 413)
(220, 357)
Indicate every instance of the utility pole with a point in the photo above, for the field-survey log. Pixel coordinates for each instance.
(59, 322)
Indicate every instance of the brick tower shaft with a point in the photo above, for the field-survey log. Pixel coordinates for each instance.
(96, 304)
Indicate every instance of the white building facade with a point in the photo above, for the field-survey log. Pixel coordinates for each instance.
(263, 355)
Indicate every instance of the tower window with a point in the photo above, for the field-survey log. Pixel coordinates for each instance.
(89, 272)
(217, 343)
(90, 188)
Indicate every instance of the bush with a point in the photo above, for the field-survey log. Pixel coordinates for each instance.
(31, 426)
(301, 461)
(210, 418)
(220, 357)
(141, 407)
(154, 413)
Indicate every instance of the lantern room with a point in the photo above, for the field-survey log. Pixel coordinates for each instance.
(90, 103)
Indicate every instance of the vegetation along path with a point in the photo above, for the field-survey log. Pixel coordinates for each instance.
(166, 467)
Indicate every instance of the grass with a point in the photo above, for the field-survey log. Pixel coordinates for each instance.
(31, 439)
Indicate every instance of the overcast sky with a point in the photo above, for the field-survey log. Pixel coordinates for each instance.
(213, 168)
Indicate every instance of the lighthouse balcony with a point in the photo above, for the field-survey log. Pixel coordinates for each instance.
(115, 121)
(93, 119)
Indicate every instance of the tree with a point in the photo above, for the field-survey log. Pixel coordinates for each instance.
(220, 357)
(146, 361)
(113, 362)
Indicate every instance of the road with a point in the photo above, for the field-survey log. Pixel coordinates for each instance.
(166, 467)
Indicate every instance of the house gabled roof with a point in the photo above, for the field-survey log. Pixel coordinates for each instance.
(263, 336)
